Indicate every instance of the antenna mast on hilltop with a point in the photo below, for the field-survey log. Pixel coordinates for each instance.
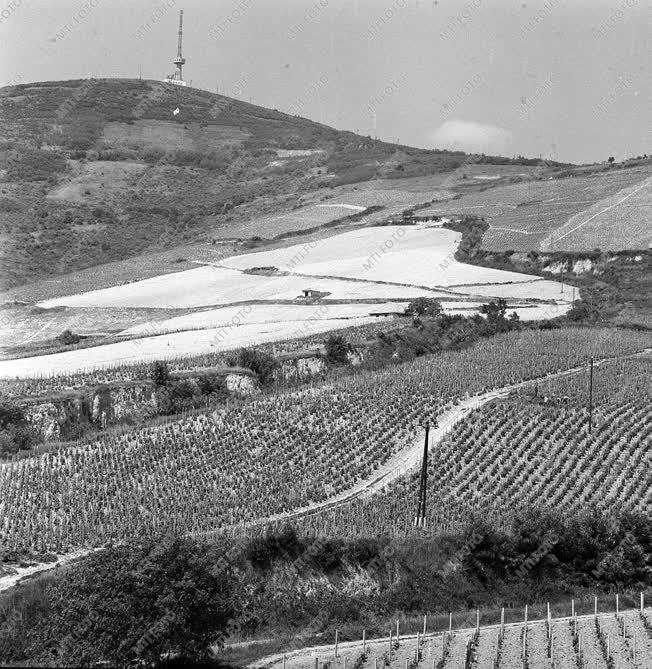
(179, 61)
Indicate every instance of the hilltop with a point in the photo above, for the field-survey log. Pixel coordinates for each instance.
(93, 171)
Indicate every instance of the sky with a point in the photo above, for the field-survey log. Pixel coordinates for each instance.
(565, 80)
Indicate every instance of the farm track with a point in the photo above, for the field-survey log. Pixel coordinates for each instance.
(396, 467)
(10, 580)
(304, 658)
(406, 460)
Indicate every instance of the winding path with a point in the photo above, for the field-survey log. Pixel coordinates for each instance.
(410, 457)
(9, 580)
(394, 468)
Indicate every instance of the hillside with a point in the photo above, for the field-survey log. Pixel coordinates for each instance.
(93, 171)
(282, 593)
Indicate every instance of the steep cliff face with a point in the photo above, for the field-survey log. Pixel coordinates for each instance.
(63, 416)
(300, 368)
(242, 384)
(57, 419)
(111, 404)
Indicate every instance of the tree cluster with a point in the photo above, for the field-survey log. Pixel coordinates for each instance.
(174, 396)
(337, 349)
(16, 433)
(263, 364)
(439, 332)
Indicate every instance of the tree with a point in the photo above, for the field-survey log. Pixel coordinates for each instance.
(10, 413)
(16, 432)
(178, 396)
(495, 311)
(133, 603)
(424, 306)
(611, 160)
(160, 373)
(336, 350)
(581, 310)
(213, 385)
(68, 337)
(263, 364)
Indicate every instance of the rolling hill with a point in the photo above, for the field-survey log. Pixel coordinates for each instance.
(99, 170)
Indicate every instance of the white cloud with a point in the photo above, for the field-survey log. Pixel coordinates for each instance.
(470, 136)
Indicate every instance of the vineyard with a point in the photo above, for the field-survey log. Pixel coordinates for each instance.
(529, 449)
(621, 639)
(523, 215)
(281, 453)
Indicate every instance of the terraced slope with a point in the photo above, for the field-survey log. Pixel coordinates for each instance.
(607, 210)
(529, 448)
(268, 456)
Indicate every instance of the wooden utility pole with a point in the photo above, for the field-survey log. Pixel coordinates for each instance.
(420, 520)
(590, 395)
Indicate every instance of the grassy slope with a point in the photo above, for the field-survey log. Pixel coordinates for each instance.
(100, 170)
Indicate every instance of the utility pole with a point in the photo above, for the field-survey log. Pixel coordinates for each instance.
(590, 395)
(538, 212)
(420, 520)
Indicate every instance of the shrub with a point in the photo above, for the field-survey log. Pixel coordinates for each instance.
(178, 396)
(212, 385)
(424, 306)
(68, 337)
(175, 597)
(284, 544)
(153, 155)
(336, 350)
(15, 431)
(35, 165)
(7, 204)
(160, 373)
(495, 311)
(263, 364)
(580, 311)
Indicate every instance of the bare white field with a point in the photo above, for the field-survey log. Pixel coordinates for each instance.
(540, 312)
(540, 289)
(208, 285)
(353, 207)
(400, 254)
(250, 314)
(168, 346)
